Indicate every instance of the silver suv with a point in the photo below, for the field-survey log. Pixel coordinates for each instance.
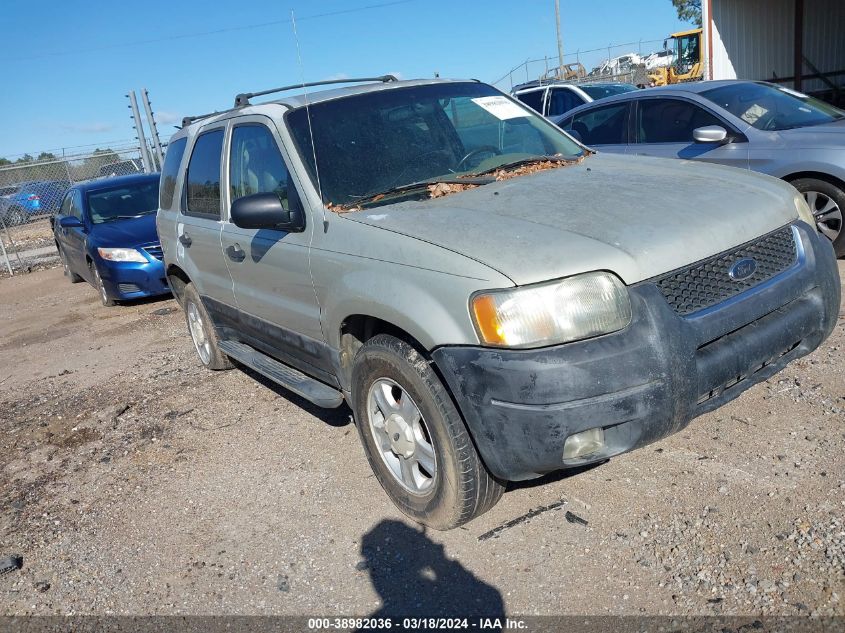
(493, 300)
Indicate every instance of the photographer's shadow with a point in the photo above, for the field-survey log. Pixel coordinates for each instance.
(415, 579)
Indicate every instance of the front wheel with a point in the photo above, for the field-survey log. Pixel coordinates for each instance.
(415, 439)
(105, 298)
(827, 203)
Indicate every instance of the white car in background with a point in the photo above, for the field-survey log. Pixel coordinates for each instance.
(554, 99)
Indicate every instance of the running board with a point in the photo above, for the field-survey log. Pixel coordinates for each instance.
(292, 379)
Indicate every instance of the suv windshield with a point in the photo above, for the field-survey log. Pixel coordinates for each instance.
(600, 92)
(391, 138)
(118, 203)
(772, 108)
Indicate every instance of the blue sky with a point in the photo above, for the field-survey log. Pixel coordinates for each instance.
(67, 64)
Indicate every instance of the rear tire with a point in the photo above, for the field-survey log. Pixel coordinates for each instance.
(201, 329)
(827, 202)
(74, 278)
(414, 437)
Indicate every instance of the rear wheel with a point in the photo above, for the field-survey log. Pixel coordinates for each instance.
(415, 439)
(74, 278)
(202, 331)
(827, 203)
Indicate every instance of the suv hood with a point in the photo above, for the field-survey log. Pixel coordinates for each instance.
(636, 216)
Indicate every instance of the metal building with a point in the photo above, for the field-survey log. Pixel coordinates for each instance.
(797, 43)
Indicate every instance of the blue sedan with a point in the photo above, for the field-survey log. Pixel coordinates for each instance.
(106, 235)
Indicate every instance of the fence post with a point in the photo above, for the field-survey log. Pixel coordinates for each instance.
(139, 127)
(5, 254)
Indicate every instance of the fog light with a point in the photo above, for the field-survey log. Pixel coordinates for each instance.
(584, 443)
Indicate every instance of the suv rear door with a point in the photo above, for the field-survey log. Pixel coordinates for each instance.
(198, 224)
(278, 307)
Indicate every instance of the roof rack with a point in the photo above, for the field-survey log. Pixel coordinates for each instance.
(242, 99)
(187, 120)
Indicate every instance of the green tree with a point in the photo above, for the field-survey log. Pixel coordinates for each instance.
(4, 162)
(688, 10)
(46, 156)
(26, 158)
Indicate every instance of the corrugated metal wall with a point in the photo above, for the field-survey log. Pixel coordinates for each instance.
(754, 39)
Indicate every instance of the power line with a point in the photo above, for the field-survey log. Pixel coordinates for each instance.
(183, 36)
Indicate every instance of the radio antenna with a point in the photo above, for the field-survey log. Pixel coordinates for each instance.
(308, 116)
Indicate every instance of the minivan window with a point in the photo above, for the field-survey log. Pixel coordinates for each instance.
(602, 126)
(607, 90)
(256, 165)
(203, 176)
(170, 171)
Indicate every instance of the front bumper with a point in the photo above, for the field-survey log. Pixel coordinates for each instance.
(646, 381)
(125, 281)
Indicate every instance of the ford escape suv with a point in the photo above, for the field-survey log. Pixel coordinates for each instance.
(492, 299)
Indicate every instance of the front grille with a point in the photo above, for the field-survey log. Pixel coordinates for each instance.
(155, 251)
(127, 288)
(707, 282)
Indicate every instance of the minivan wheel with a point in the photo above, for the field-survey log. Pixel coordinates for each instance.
(827, 203)
(202, 331)
(101, 287)
(414, 437)
(74, 278)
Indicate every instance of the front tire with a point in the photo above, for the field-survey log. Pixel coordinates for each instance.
(827, 202)
(202, 331)
(105, 298)
(414, 437)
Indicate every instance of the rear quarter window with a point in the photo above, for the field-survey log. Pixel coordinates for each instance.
(170, 171)
(203, 176)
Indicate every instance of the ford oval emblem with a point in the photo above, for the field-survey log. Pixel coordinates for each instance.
(742, 269)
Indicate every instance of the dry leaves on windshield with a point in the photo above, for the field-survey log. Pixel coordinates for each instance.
(532, 168)
(445, 188)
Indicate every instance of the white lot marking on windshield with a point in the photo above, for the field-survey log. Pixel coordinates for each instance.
(500, 107)
(753, 113)
(380, 216)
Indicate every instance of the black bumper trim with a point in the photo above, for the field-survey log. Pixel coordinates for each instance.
(644, 382)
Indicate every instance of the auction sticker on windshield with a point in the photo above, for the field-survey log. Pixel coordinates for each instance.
(500, 107)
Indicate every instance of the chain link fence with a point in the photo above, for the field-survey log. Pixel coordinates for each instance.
(31, 192)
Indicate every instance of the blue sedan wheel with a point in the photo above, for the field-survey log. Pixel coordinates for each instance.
(101, 288)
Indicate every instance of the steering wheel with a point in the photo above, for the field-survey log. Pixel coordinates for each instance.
(478, 150)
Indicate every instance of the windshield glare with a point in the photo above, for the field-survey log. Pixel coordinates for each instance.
(599, 92)
(384, 139)
(105, 205)
(768, 107)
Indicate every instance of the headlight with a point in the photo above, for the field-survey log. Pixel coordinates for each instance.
(122, 255)
(567, 310)
(803, 209)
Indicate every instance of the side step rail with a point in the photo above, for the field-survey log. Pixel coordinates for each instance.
(292, 379)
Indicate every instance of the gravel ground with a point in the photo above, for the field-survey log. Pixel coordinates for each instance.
(136, 482)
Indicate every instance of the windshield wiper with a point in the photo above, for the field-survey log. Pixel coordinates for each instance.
(411, 188)
(127, 217)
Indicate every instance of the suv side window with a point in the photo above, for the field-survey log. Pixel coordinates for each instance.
(671, 120)
(533, 99)
(170, 171)
(602, 126)
(203, 176)
(563, 100)
(256, 164)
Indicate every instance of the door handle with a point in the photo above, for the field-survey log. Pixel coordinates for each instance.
(185, 239)
(235, 253)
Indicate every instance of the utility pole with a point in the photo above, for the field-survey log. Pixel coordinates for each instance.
(139, 128)
(145, 98)
(559, 37)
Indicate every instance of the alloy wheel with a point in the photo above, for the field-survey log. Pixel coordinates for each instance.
(198, 332)
(401, 436)
(827, 212)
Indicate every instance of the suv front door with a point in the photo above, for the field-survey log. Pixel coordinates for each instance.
(270, 268)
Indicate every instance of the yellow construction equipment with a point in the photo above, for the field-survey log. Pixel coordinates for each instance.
(687, 65)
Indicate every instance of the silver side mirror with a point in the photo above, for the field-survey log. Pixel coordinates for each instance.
(710, 134)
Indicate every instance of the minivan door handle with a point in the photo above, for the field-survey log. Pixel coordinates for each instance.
(236, 253)
(185, 239)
